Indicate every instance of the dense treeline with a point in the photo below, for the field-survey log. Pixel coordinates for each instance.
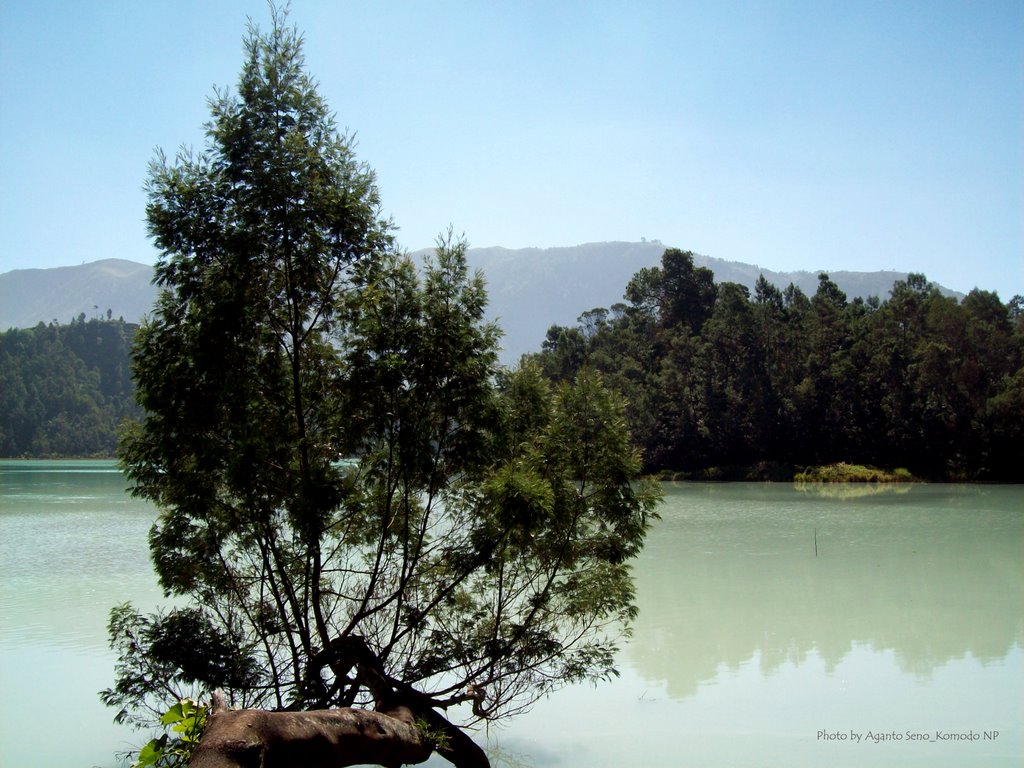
(65, 389)
(716, 378)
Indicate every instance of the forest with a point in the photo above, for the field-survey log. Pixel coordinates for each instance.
(722, 385)
(719, 384)
(65, 389)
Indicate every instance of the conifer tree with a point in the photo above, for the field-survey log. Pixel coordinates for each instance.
(358, 510)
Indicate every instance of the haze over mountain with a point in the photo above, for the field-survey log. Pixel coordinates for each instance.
(32, 296)
(530, 288)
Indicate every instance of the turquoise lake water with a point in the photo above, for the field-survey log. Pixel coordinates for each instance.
(779, 626)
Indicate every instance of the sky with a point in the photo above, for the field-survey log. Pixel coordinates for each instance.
(794, 135)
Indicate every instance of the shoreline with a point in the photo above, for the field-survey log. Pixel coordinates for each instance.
(770, 472)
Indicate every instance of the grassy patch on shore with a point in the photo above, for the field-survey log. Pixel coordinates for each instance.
(853, 473)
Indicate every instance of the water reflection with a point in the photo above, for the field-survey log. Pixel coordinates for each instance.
(852, 490)
(730, 574)
(746, 644)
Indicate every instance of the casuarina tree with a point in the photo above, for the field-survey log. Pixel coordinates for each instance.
(373, 537)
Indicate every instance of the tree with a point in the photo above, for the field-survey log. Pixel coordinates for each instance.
(564, 352)
(676, 293)
(736, 403)
(357, 508)
(688, 292)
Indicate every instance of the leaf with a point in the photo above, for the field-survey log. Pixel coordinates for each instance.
(173, 715)
(151, 752)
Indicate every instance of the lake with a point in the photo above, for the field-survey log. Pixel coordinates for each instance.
(845, 626)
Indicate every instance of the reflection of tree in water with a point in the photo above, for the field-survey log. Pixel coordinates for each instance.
(852, 490)
(730, 572)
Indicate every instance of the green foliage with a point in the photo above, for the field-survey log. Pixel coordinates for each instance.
(439, 738)
(186, 649)
(65, 389)
(356, 504)
(852, 473)
(717, 381)
(187, 721)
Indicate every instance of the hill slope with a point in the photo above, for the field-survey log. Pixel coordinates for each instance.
(31, 296)
(64, 389)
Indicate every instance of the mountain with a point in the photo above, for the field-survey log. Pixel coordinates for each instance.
(530, 288)
(32, 296)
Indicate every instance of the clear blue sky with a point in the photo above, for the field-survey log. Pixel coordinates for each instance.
(810, 135)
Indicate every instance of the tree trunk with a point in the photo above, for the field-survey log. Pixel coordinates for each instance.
(391, 735)
(253, 738)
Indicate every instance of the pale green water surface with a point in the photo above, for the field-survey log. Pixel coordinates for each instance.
(909, 619)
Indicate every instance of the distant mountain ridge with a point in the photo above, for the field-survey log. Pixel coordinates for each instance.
(530, 288)
(32, 296)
